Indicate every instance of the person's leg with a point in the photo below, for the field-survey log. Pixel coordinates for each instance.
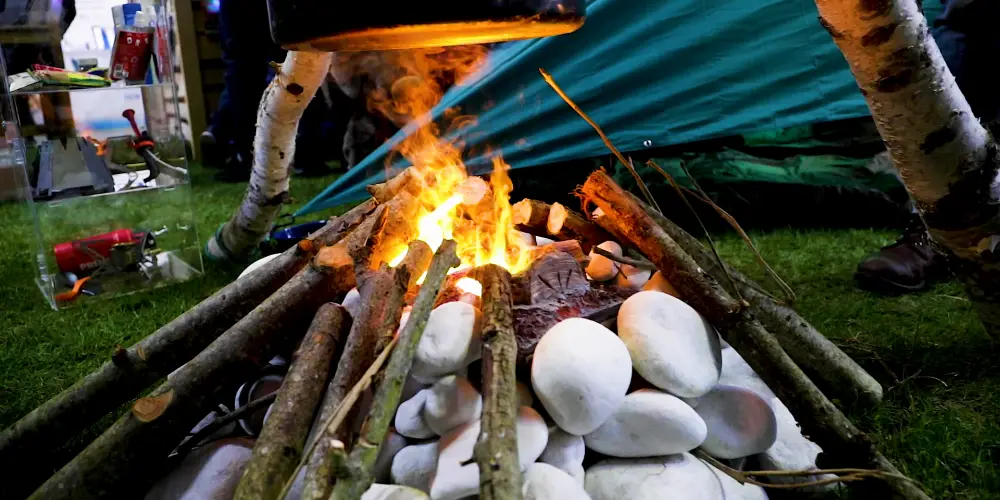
(967, 35)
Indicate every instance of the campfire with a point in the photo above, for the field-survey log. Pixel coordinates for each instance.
(450, 343)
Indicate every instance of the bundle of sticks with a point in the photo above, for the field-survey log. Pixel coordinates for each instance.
(290, 301)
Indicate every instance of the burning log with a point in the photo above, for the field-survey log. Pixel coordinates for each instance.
(30, 441)
(496, 450)
(388, 190)
(279, 447)
(538, 218)
(366, 449)
(381, 308)
(128, 456)
(842, 442)
(572, 247)
(810, 349)
(397, 231)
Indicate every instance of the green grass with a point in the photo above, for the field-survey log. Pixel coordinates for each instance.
(939, 421)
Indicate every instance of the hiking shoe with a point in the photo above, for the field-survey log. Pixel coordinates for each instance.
(909, 265)
(213, 153)
(236, 168)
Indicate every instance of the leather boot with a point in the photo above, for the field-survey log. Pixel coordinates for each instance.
(909, 265)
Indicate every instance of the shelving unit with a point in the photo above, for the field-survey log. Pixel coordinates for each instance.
(105, 218)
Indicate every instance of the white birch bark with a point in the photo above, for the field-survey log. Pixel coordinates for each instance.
(946, 158)
(281, 107)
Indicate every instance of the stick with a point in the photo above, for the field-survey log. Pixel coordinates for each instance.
(359, 353)
(745, 477)
(496, 448)
(365, 450)
(279, 447)
(28, 445)
(811, 350)
(131, 454)
(337, 459)
(628, 261)
(607, 142)
(841, 441)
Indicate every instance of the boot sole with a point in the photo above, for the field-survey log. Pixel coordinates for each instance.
(881, 285)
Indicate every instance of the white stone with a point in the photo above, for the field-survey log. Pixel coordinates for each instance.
(451, 402)
(414, 466)
(565, 451)
(210, 471)
(450, 341)
(602, 268)
(411, 387)
(545, 482)
(732, 490)
(674, 477)
(659, 283)
(393, 492)
(632, 277)
(647, 424)
(352, 302)
(580, 372)
(542, 241)
(740, 423)
(391, 445)
(671, 345)
(410, 417)
(791, 450)
(257, 264)
(452, 480)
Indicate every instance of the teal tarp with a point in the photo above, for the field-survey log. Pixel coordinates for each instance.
(652, 73)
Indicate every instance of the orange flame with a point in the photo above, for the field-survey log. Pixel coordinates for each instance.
(452, 205)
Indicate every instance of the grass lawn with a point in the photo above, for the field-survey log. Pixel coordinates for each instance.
(939, 422)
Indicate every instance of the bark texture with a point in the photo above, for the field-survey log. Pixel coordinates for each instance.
(821, 359)
(946, 158)
(362, 458)
(131, 454)
(496, 448)
(279, 447)
(278, 116)
(359, 353)
(844, 445)
(27, 447)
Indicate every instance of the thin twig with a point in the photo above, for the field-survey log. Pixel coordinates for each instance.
(628, 261)
(743, 477)
(704, 229)
(223, 420)
(733, 223)
(343, 409)
(607, 142)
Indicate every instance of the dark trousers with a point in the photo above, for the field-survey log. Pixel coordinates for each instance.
(247, 50)
(968, 34)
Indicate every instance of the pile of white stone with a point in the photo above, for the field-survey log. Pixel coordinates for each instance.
(631, 404)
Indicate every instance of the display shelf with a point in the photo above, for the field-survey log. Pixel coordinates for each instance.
(108, 213)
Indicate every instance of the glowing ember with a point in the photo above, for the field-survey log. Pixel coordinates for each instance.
(452, 205)
(469, 285)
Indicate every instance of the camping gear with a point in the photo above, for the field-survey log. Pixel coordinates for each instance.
(652, 74)
(309, 25)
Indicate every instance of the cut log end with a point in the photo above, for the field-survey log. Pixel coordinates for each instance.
(557, 218)
(150, 408)
(418, 257)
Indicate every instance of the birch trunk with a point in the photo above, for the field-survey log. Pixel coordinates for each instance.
(278, 116)
(946, 158)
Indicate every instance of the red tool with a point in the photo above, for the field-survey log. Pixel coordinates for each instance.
(143, 144)
(88, 254)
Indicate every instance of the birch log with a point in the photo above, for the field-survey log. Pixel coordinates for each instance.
(946, 158)
(278, 116)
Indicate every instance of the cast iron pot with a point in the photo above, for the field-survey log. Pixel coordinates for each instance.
(332, 25)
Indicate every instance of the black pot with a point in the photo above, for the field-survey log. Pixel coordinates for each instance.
(331, 25)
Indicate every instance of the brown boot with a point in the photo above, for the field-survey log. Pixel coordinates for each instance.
(908, 265)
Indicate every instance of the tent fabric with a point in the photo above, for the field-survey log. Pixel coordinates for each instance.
(652, 73)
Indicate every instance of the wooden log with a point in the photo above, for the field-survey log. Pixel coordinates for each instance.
(279, 447)
(496, 449)
(364, 452)
(27, 447)
(399, 229)
(572, 247)
(130, 455)
(558, 222)
(377, 290)
(554, 277)
(821, 359)
(418, 257)
(388, 190)
(531, 216)
(843, 444)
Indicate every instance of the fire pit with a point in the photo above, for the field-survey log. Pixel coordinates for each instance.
(452, 343)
